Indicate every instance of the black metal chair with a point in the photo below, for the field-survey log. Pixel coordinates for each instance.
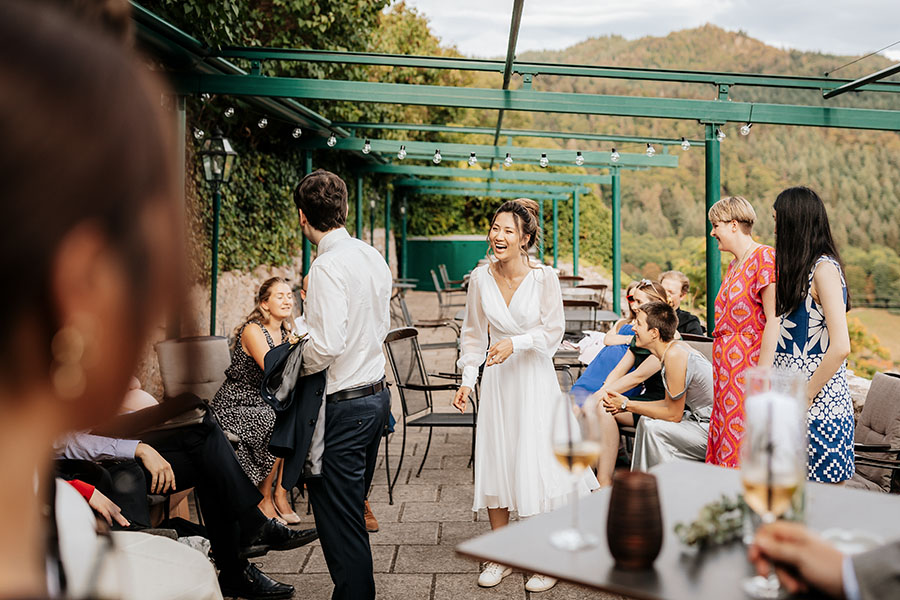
(415, 389)
(580, 315)
(447, 299)
(451, 285)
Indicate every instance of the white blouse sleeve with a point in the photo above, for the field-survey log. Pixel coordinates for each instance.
(473, 339)
(546, 337)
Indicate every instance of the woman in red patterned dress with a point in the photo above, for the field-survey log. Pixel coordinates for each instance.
(746, 325)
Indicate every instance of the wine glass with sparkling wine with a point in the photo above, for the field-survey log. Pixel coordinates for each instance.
(576, 445)
(773, 452)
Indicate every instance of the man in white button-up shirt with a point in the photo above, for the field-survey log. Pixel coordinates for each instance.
(348, 315)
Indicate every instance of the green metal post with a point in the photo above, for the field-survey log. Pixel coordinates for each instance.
(713, 257)
(541, 231)
(575, 231)
(403, 255)
(359, 206)
(387, 227)
(214, 276)
(307, 246)
(173, 322)
(555, 233)
(372, 222)
(616, 242)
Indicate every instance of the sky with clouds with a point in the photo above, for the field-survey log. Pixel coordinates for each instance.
(848, 27)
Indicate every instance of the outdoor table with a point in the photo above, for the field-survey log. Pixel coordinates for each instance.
(678, 573)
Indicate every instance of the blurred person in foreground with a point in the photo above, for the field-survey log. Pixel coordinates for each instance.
(90, 259)
(804, 562)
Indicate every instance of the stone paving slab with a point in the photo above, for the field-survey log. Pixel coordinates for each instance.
(405, 533)
(458, 532)
(402, 587)
(422, 492)
(465, 587)
(436, 511)
(432, 559)
(382, 558)
(290, 561)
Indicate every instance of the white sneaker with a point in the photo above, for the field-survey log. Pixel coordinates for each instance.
(493, 574)
(540, 583)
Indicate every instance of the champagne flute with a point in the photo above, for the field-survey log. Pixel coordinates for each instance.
(773, 453)
(576, 445)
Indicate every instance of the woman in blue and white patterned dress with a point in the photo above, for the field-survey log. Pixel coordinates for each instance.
(812, 301)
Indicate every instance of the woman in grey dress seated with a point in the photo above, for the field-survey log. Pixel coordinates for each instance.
(678, 425)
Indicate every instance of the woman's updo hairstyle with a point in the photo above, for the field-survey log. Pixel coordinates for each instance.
(526, 213)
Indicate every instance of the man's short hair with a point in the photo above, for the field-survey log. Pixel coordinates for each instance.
(322, 196)
(662, 317)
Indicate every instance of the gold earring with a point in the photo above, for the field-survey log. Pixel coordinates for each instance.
(67, 372)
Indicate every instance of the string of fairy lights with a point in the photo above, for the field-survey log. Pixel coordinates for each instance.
(436, 158)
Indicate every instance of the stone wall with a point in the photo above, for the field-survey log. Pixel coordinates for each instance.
(236, 290)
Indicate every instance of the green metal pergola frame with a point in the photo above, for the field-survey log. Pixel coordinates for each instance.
(212, 73)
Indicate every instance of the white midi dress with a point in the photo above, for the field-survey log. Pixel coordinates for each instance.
(514, 463)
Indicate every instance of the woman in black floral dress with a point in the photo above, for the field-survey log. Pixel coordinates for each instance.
(238, 405)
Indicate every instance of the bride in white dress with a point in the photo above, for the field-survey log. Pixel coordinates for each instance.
(514, 318)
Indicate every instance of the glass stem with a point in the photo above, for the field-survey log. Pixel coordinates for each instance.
(575, 506)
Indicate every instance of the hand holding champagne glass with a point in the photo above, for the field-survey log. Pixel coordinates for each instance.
(576, 445)
(773, 452)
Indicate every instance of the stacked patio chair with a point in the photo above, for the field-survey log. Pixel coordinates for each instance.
(447, 299)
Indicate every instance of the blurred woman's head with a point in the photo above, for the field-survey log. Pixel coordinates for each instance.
(515, 228)
(677, 285)
(88, 255)
(731, 218)
(802, 235)
(647, 290)
(630, 300)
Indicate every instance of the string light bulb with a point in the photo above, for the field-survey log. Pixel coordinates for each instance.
(204, 97)
(229, 112)
(685, 144)
(544, 161)
(579, 159)
(720, 135)
(401, 154)
(473, 160)
(745, 129)
(297, 132)
(332, 140)
(614, 156)
(199, 134)
(650, 150)
(437, 157)
(262, 123)
(508, 161)
(367, 147)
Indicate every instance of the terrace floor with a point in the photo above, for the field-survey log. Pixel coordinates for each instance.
(413, 552)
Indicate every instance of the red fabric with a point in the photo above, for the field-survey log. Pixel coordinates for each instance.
(740, 321)
(85, 489)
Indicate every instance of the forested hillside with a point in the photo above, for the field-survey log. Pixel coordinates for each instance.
(855, 172)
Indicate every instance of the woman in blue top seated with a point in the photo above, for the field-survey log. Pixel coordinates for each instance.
(593, 378)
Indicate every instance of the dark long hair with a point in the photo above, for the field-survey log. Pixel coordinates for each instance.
(802, 236)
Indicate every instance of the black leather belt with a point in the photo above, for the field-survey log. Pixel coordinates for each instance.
(357, 392)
